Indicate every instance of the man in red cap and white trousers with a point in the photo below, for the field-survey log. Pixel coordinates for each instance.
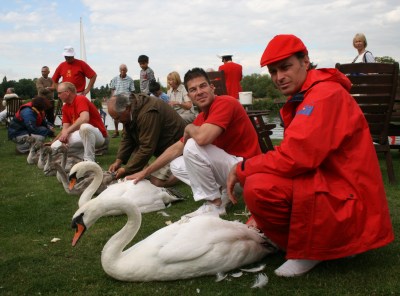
(319, 195)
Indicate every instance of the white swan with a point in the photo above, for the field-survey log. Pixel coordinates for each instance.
(202, 245)
(147, 197)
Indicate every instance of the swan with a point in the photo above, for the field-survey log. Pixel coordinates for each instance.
(80, 185)
(58, 155)
(33, 156)
(42, 156)
(199, 246)
(147, 196)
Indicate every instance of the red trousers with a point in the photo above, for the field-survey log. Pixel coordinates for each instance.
(269, 199)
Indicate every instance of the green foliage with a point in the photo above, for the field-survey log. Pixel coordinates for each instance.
(261, 86)
(97, 102)
(100, 93)
(263, 104)
(385, 59)
(136, 83)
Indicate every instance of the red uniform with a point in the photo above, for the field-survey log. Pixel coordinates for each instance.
(71, 113)
(75, 72)
(239, 137)
(233, 76)
(320, 194)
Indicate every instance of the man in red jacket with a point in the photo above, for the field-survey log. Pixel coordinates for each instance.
(320, 194)
(233, 75)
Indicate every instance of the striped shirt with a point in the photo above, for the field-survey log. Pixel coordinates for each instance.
(122, 85)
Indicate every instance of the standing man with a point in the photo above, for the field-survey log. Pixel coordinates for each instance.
(44, 86)
(319, 195)
(233, 75)
(82, 127)
(121, 84)
(150, 127)
(220, 136)
(74, 71)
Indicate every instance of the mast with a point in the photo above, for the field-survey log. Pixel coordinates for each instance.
(83, 50)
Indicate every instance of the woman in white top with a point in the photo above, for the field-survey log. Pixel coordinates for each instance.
(178, 97)
(360, 43)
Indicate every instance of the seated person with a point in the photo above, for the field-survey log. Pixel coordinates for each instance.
(10, 94)
(179, 99)
(30, 120)
(220, 136)
(319, 195)
(150, 127)
(83, 129)
(155, 90)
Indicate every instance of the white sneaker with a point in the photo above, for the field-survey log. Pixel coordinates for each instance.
(207, 208)
(296, 267)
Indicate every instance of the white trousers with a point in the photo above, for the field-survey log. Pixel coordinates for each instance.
(204, 168)
(87, 137)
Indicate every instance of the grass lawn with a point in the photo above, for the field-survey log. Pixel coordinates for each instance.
(34, 209)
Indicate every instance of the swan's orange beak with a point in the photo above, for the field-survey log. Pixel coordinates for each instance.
(72, 183)
(80, 229)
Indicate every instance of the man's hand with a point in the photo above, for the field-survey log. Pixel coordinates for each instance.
(136, 177)
(115, 166)
(120, 173)
(230, 184)
(63, 136)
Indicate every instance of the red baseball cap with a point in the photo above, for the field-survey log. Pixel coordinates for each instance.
(282, 47)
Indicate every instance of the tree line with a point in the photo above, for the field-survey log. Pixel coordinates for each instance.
(261, 86)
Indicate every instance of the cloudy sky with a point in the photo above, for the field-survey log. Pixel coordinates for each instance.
(179, 35)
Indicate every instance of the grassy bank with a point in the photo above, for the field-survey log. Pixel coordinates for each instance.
(34, 209)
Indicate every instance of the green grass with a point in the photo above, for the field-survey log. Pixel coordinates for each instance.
(35, 209)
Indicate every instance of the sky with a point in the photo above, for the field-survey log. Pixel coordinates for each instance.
(180, 35)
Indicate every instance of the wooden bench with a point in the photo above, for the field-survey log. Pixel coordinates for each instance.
(263, 129)
(374, 87)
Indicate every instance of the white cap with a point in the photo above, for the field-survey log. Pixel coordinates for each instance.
(69, 51)
(224, 55)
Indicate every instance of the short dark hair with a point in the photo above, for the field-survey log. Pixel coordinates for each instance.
(301, 55)
(194, 73)
(143, 59)
(154, 86)
(40, 103)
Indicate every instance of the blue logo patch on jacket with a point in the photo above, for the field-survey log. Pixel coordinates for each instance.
(306, 110)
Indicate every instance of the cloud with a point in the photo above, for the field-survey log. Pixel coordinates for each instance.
(179, 35)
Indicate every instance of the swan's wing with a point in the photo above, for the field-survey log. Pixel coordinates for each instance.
(203, 234)
(146, 196)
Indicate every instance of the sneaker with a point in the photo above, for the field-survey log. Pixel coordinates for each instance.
(296, 267)
(115, 135)
(207, 209)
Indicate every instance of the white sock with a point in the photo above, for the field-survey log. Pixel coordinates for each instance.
(296, 267)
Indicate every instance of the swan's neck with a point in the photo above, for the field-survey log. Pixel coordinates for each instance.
(49, 154)
(62, 176)
(40, 163)
(113, 250)
(32, 154)
(94, 185)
